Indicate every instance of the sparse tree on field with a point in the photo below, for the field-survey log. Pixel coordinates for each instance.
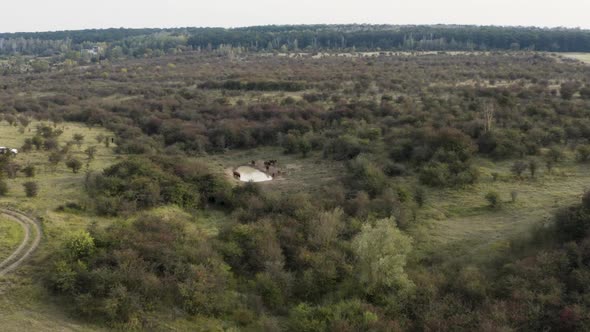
(90, 153)
(55, 158)
(493, 199)
(37, 141)
(11, 119)
(74, 164)
(27, 146)
(420, 196)
(29, 171)
(488, 117)
(3, 187)
(533, 165)
(11, 169)
(24, 121)
(382, 251)
(495, 176)
(554, 154)
(518, 168)
(583, 153)
(78, 138)
(549, 165)
(304, 146)
(31, 188)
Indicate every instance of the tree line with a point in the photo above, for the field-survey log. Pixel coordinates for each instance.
(314, 38)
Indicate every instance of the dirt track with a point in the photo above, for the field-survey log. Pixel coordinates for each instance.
(27, 247)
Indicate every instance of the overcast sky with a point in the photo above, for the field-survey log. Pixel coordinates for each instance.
(46, 15)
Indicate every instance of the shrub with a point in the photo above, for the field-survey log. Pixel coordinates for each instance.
(495, 176)
(554, 154)
(78, 138)
(74, 164)
(27, 146)
(29, 171)
(3, 187)
(31, 188)
(394, 169)
(435, 174)
(493, 199)
(518, 168)
(420, 196)
(533, 165)
(583, 153)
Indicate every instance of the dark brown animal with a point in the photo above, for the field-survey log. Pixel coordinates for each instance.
(236, 175)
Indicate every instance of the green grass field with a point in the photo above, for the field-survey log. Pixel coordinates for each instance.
(462, 222)
(11, 235)
(302, 174)
(584, 57)
(24, 304)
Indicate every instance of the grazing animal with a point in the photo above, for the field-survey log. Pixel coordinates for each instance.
(236, 175)
(253, 162)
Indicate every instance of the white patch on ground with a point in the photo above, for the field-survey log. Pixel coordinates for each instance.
(248, 174)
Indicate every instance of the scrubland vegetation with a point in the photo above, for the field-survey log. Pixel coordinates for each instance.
(424, 191)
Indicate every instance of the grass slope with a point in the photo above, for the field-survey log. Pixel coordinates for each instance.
(24, 304)
(461, 221)
(11, 235)
(584, 57)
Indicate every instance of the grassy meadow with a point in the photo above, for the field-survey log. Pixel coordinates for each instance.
(24, 303)
(584, 57)
(461, 221)
(11, 235)
(300, 174)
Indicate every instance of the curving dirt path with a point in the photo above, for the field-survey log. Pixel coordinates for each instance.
(30, 242)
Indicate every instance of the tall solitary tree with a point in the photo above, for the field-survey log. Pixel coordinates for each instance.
(382, 251)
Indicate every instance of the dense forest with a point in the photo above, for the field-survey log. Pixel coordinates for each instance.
(309, 38)
(170, 238)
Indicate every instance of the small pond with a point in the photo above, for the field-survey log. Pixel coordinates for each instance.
(248, 174)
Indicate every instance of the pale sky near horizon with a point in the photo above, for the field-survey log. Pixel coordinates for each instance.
(43, 15)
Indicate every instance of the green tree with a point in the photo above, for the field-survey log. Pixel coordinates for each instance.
(90, 153)
(493, 199)
(40, 66)
(29, 171)
(74, 164)
(3, 187)
(382, 251)
(31, 188)
(79, 246)
(554, 154)
(55, 158)
(533, 165)
(304, 146)
(78, 138)
(518, 168)
(583, 153)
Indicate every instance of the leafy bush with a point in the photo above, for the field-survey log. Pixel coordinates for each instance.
(494, 199)
(122, 273)
(31, 188)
